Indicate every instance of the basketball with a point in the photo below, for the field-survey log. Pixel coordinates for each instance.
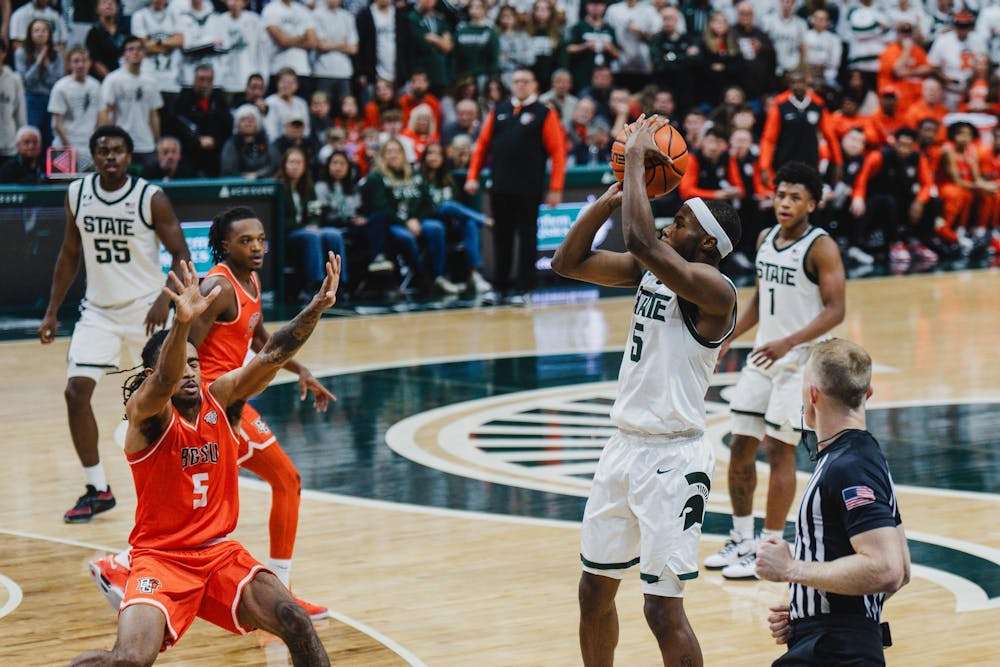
(661, 177)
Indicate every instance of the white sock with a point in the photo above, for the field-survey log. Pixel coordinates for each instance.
(94, 475)
(282, 569)
(766, 533)
(744, 526)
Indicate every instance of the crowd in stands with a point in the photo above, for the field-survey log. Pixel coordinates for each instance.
(365, 109)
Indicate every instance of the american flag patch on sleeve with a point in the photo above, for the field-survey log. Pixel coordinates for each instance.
(856, 496)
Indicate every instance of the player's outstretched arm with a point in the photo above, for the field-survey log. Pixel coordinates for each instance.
(152, 398)
(168, 228)
(307, 381)
(63, 275)
(695, 282)
(575, 258)
(242, 383)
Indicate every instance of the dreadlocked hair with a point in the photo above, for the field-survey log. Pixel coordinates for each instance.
(150, 354)
(220, 229)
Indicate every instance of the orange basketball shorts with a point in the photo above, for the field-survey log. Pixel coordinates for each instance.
(206, 583)
(254, 433)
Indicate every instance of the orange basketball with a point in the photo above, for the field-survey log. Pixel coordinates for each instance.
(661, 177)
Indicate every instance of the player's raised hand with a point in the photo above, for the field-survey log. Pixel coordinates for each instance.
(327, 294)
(188, 300)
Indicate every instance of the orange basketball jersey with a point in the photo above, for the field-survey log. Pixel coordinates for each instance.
(186, 482)
(226, 345)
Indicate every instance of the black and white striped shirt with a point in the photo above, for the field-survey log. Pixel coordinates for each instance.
(851, 492)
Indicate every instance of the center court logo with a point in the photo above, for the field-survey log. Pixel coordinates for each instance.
(547, 440)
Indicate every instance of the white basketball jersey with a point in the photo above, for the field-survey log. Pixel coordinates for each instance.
(121, 250)
(666, 367)
(788, 297)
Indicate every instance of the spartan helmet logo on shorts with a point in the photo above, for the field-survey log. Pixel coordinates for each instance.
(694, 508)
(147, 585)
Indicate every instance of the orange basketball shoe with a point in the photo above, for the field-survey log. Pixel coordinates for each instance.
(316, 612)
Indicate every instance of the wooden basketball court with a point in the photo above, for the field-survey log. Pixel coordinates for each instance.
(463, 548)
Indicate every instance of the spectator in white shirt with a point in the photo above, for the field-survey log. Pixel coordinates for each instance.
(788, 33)
(952, 56)
(36, 9)
(988, 29)
(160, 31)
(823, 49)
(865, 29)
(634, 22)
(913, 13)
(74, 103)
(336, 43)
(289, 26)
(285, 104)
(245, 54)
(132, 100)
(203, 39)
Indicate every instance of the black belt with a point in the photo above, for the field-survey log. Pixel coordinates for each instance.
(842, 620)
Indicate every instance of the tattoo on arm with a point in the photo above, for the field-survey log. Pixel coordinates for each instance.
(299, 635)
(288, 339)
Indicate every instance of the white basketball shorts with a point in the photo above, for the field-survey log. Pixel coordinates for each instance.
(769, 401)
(646, 508)
(101, 334)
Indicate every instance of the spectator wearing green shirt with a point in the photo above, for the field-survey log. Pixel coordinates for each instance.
(393, 192)
(591, 42)
(477, 47)
(545, 31)
(432, 43)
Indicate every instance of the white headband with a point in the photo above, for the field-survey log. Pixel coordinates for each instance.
(711, 225)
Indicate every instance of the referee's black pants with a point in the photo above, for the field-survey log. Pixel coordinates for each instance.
(515, 216)
(834, 640)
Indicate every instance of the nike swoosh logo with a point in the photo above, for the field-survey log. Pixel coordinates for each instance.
(660, 472)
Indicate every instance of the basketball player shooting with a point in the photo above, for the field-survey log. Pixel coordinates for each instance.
(647, 502)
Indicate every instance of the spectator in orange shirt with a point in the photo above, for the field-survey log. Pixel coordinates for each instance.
(712, 173)
(421, 129)
(894, 186)
(930, 105)
(792, 128)
(383, 100)
(929, 141)
(904, 64)
(960, 185)
(846, 118)
(881, 126)
(842, 224)
(989, 215)
(419, 93)
(980, 97)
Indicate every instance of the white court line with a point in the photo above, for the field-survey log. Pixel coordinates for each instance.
(388, 642)
(15, 595)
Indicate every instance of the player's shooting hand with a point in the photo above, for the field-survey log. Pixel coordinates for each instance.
(765, 355)
(774, 560)
(640, 139)
(156, 318)
(47, 329)
(188, 300)
(780, 623)
(327, 294)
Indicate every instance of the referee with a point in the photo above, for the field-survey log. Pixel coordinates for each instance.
(850, 549)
